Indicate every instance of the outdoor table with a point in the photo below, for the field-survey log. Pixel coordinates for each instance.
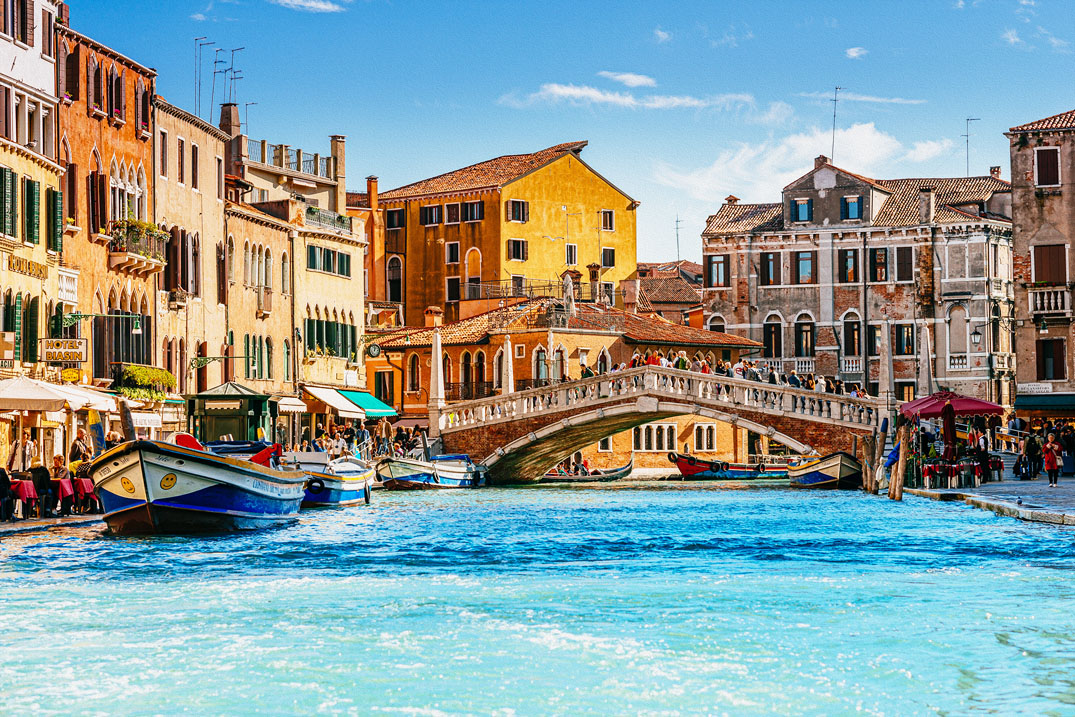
(24, 490)
(64, 489)
(83, 487)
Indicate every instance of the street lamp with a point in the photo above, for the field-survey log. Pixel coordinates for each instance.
(976, 337)
(1043, 328)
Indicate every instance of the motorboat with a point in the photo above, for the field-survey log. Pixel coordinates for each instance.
(332, 482)
(836, 470)
(693, 468)
(444, 471)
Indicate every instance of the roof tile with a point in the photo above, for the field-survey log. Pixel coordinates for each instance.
(1064, 120)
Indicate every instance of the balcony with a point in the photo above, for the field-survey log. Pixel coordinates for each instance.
(1003, 362)
(1055, 301)
(958, 361)
(468, 391)
(264, 301)
(136, 247)
(772, 364)
(177, 299)
(804, 365)
(317, 217)
(851, 365)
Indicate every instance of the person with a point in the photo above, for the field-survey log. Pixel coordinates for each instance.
(23, 453)
(819, 384)
(80, 448)
(59, 473)
(793, 380)
(1032, 451)
(7, 497)
(982, 444)
(587, 372)
(349, 434)
(320, 432)
(1050, 456)
(339, 445)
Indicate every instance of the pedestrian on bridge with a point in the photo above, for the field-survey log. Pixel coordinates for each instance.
(1050, 455)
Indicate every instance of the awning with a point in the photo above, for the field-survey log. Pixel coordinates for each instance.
(290, 404)
(371, 406)
(1059, 405)
(145, 419)
(96, 400)
(332, 397)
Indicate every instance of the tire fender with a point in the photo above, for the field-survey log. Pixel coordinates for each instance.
(315, 486)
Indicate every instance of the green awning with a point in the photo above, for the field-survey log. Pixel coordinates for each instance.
(373, 407)
(1045, 402)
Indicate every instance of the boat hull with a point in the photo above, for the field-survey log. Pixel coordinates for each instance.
(147, 487)
(326, 491)
(595, 477)
(410, 474)
(691, 468)
(837, 470)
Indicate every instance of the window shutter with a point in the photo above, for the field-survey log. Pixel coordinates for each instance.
(138, 92)
(507, 211)
(122, 77)
(526, 250)
(30, 330)
(526, 212)
(29, 19)
(57, 220)
(809, 210)
(1039, 352)
(5, 200)
(102, 199)
(33, 211)
(843, 208)
(61, 69)
(89, 85)
(75, 58)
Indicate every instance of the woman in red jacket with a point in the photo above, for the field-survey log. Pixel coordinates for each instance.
(1050, 455)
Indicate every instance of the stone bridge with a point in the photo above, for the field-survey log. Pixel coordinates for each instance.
(520, 435)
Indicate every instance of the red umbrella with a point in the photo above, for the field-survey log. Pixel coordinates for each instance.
(933, 406)
(948, 427)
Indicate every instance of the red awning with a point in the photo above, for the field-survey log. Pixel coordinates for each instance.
(932, 406)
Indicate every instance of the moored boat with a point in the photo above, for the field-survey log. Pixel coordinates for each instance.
(332, 483)
(149, 487)
(447, 471)
(602, 476)
(836, 470)
(693, 468)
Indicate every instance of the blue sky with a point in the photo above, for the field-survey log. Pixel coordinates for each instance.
(683, 103)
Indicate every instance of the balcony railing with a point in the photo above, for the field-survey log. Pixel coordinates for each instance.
(293, 160)
(772, 364)
(804, 365)
(524, 384)
(958, 361)
(468, 391)
(1054, 300)
(329, 220)
(325, 170)
(851, 365)
(254, 151)
(137, 247)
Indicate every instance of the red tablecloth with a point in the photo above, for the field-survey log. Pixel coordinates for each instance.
(64, 488)
(24, 489)
(83, 486)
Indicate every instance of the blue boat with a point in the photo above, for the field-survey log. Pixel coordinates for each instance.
(836, 470)
(447, 471)
(332, 483)
(151, 487)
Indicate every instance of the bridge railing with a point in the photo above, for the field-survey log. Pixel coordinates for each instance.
(704, 389)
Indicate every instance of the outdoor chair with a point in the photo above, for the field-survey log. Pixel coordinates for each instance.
(45, 497)
(7, 497)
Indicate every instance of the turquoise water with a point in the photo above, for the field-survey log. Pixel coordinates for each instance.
(643, 599)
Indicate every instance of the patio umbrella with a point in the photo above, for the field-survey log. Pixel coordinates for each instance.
(933, 406)
(948, 421)
(26, 394)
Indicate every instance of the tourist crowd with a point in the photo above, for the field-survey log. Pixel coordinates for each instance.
(28, 488)
(356, 439)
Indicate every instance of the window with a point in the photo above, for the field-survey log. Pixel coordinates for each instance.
(328, 260)
(394, 219)
(605, 445)
(1051, 359)
(772, 343)
(802, 210)
(429, 215)
(518, 288)
(608, 220)
(571, 254)
(905, 390)
(848, 266)
(770, 269)
(395, 280)
(451, 292)
(180, 161)
(219, 178)
(904, 339)
(878, 265)
(904, 263)
(451, 252)
(1047, 166)
(717, 273)
(473, 211)
(806, 267)
(705, 437)
(873, 340)
(414, 380)
(804, 337)
(71, 76)
(851, 208)
(164, 154)
(382, 387)
(518, 250)
(716, 323)
(518, 211)
(451, 213)
(608, 257)
(193, 166)
(1050, 264)
(852, 337)
(655, 437)
(608, 292)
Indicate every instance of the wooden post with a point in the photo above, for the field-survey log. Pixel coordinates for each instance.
(896, 484)
(878, 456)
(867, 461)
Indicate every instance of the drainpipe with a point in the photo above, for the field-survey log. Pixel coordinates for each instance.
(864, 334)
(291, 235)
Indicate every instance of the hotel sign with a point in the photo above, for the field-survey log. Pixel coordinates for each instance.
(64, 350)
(20, 265)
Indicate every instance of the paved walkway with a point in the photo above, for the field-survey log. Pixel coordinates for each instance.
(1027, 500)
(32, 524)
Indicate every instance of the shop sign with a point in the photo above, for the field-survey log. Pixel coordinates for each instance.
(71, 375)
(21, 265)
(1034, 387)
(64, 350)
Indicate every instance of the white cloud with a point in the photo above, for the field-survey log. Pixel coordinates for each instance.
(776, 114)
(630, 79)
(198, 17)
(855, 97)
(856, 53)
(555, 93)
(732, 37)
(1055, 42)
(310, 5)
(660, 35)
(757, 172)
(1011, 37)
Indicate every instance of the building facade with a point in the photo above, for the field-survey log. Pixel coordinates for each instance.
(510, 226)
(896, 285)
(1043, 165)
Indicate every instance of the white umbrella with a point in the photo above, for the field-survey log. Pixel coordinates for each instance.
(90, 399)
(26, 394)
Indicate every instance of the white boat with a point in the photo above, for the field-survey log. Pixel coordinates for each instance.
(449, 471)
(332, 482)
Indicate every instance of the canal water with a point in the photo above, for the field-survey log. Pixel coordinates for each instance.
(645, 598)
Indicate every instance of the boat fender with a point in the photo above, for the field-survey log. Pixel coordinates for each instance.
(692, 461)
(724, 467)
(672, 457)
(316, 485)
(366, 493)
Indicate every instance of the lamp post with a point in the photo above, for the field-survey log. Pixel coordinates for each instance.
(72, 319)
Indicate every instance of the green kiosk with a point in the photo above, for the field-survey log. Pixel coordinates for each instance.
(231, 409)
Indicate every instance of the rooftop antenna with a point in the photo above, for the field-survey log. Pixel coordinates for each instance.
(236, 75)
(246, 110)
(678, 222)
(198, 77)
(835, 100)
(212, 92)
(232, 68)
(967, 137)
(197, 49)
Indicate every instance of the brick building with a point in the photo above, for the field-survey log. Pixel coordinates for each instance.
(846, 269)
(1043, 164)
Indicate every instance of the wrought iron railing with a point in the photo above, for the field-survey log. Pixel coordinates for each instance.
(467, 391)
(327, 219)
(137, 237)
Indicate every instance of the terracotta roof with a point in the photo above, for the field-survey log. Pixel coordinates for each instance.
(668, 269)
(489, 174)
(741, 218)
(1064, 120)
(669, 291)
(358, 199)
(901, 208)
(472, 330)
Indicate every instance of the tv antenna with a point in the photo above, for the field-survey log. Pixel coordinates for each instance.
(246, 111)
(212, 92)
(967, 137)
(835, 101)
(200, 44)
(678, 222)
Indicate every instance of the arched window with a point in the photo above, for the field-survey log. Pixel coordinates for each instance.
(498, 370)
(230, 261)
(195, 266)
(474, 273)
(602, 362)
(259, 279)
(285, 275)
(395, 280)
(541, 365)
(995, 334)
(957, 330)
(140, 203)
(479, 368)
(559, 365)
(268, 358)
(413, 379)
(202, 376)
(466, 374)
(773, 337)
(246, 355)
(852, 335)
(804, 336)
(716, 323)
(446, 369)
(181, 364)
(246, 263)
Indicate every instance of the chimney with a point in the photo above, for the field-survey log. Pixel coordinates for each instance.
(994, 172)
(371, 191)
(927, 203)
(434, 316)
(731, 199)
(339, 155)
(229, 119)
(820, 161)
(64, 14)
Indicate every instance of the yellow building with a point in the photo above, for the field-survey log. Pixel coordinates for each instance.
(510, 226)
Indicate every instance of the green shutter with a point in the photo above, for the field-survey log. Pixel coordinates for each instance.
(246, 355)
(32, 321)
(809, 210)
(5, 199)
(18, 327)
(56, 213)
(33, 211)
(11, 203)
